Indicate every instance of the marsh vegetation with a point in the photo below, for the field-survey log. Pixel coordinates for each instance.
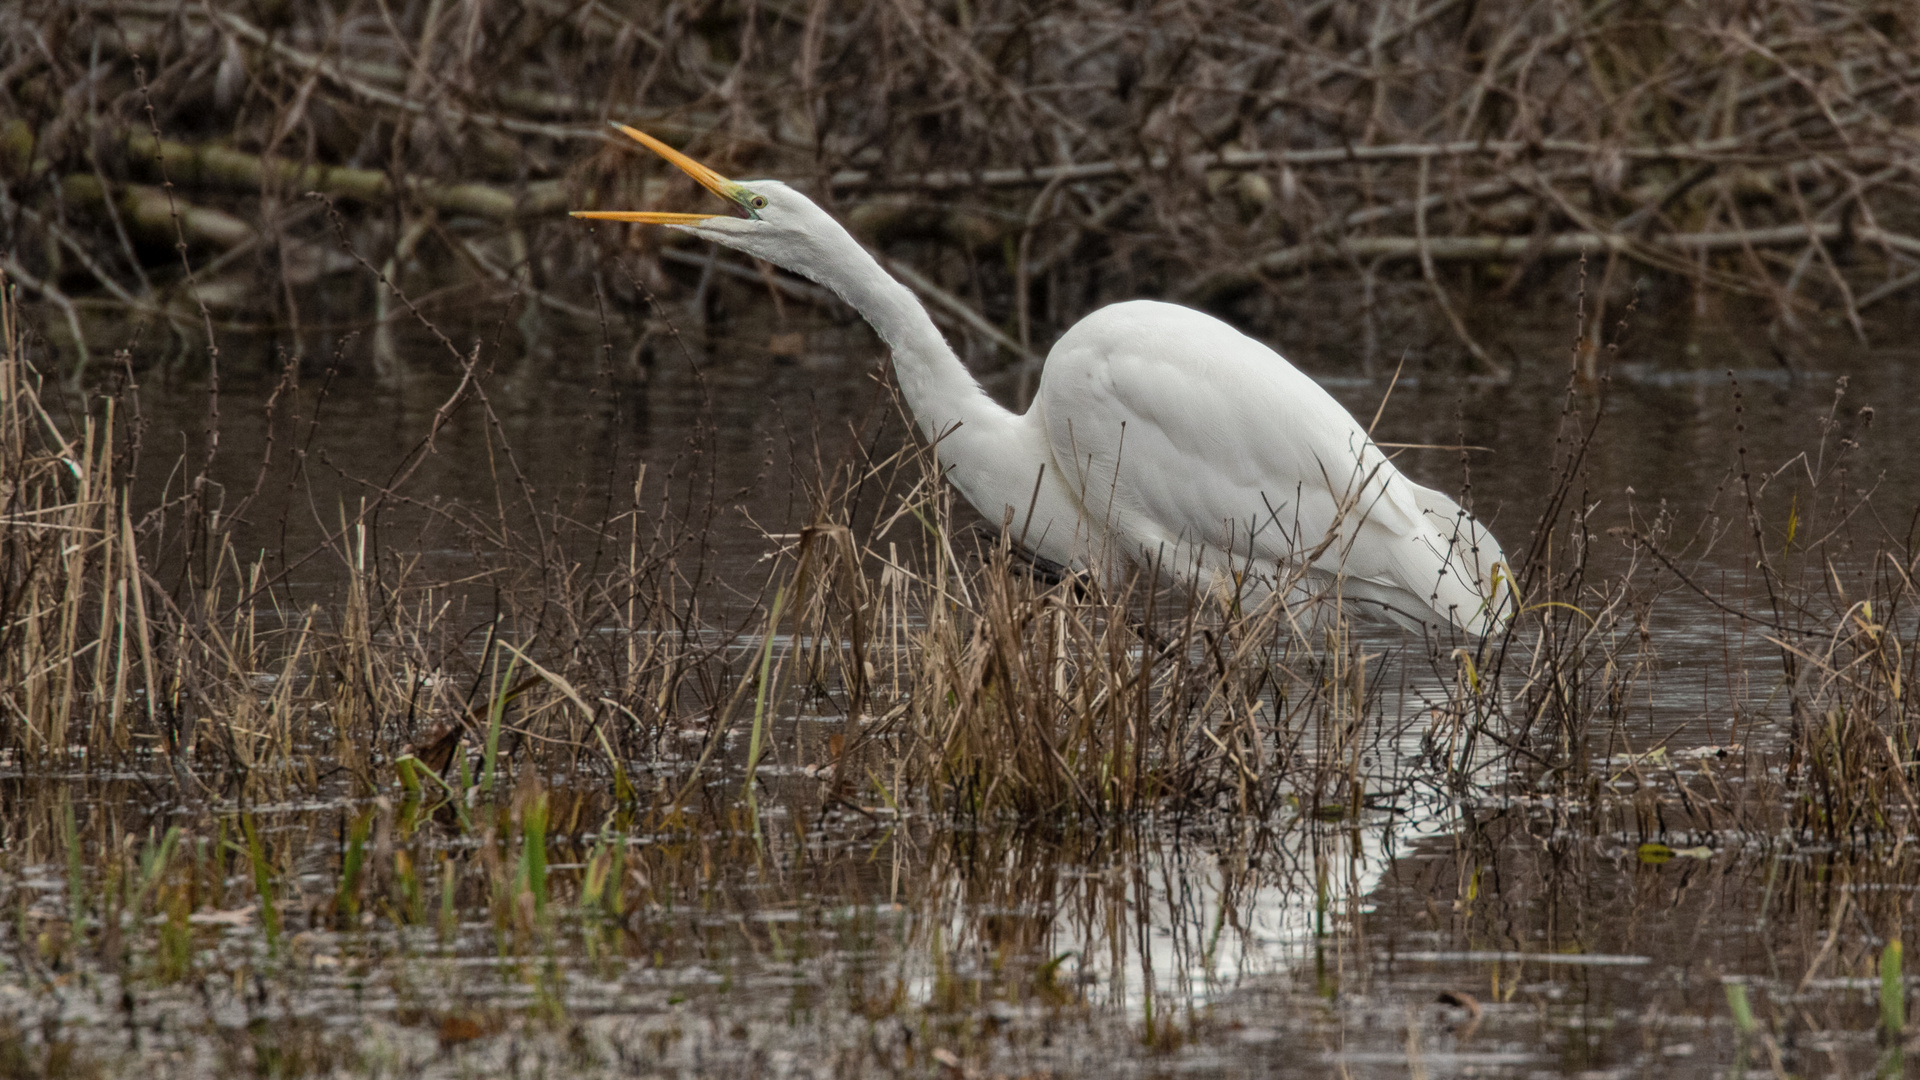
(438, 640)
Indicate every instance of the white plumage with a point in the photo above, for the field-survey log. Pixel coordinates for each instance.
(1160, 439)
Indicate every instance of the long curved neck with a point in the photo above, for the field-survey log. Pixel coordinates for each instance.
(979, 443)
(938, 387)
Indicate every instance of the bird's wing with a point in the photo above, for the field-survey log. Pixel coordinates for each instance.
(1477, 584)
(1180, 431)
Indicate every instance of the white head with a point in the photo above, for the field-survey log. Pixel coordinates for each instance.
(768, 219)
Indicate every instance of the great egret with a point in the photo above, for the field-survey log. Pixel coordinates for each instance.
(1159, 437)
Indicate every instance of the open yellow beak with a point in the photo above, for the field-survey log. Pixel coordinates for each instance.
(708, 179)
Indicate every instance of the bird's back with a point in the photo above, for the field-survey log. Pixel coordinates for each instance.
(1194, 445)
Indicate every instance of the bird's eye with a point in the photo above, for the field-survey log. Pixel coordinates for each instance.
(758, 202)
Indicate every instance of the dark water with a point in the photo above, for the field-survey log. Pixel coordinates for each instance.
(581, 416)
(867, 945)
(731, 439)
(1290, 949)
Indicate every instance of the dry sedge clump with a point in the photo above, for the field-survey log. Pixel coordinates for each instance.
(959, 680)
(893, 659)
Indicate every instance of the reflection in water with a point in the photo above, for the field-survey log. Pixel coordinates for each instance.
(867, 946)
(1200, 921)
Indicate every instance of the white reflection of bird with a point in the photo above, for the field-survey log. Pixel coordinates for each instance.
(1159, 438)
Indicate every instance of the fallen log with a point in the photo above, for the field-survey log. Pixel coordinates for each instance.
(149, 215)
(203, 165)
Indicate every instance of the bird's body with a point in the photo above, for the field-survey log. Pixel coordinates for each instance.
(1160, 439)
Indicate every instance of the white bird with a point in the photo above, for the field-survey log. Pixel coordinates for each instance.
(1159, 439)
